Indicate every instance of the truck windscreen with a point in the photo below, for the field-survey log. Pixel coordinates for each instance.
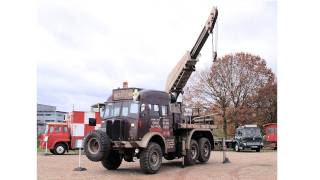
(250, 132)
(124, 108)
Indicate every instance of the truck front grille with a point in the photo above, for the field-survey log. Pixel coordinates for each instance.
(118, 130)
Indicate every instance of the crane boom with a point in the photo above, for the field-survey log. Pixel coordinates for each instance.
(181, 73)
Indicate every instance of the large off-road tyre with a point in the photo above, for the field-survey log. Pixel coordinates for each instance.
(60, 148)
(52, 151)
(97, 145)
(112, 161)
(151, 158)
(192, 153)
(204, 149)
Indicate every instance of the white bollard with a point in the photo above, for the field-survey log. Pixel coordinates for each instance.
(79, 146)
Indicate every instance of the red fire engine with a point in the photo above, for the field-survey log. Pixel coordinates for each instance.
(270, 137)
(62, 137)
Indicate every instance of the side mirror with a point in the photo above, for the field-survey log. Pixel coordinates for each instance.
(92, 122)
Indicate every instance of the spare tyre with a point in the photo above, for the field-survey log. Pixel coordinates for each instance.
(97, 145)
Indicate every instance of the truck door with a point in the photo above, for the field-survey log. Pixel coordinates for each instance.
(51, 137)
(155, 124)
(167, 127)
(64, 133)
(144, 124)
(238, 135)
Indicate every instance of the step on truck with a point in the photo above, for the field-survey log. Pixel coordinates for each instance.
(150, 124)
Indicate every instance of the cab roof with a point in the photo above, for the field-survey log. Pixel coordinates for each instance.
(248, 126)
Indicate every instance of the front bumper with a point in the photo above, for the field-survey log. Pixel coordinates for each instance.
(251, 146)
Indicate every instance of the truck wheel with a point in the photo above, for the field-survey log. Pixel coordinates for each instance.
(151, 158)
(52, 151)
(97, 145)
(258, 150)
(236, 147)
(112, 161)
(60, 149)
(192, 153)
(204, 150)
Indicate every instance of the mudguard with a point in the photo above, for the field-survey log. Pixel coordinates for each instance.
(146, 138)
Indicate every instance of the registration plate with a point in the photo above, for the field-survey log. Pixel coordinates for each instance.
(253, 143)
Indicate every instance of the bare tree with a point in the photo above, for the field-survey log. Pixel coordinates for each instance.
(248, 73)
(230, 83)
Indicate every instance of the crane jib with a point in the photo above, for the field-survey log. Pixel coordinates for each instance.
(181, 73)
(207, 29)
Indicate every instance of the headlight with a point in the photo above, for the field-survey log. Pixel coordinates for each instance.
(261, 143)
(245, 144)
(132, 125)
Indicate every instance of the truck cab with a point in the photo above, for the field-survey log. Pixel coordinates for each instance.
(248, 137)
(57, 136)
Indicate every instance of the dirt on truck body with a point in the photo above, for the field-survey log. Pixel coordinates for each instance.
(149, 124)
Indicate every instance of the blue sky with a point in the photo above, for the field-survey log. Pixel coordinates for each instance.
(89, 48)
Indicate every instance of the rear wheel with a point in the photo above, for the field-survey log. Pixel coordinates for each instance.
(113, 161)
(204, 149)
(60, 148)
(151, 158)
(192, 153)
(258, 150)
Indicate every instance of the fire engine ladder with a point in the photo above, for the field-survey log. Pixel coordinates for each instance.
(180, 75)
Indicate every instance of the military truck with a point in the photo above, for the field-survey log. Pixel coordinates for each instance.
(248, 137)
(150, 124)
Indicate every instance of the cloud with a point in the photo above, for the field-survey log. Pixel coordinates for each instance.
(88, 48)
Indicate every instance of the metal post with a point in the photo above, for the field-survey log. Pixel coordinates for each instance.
(224, 148)
(46, 151)
(79, 168)
(183, 152)
(79, 158)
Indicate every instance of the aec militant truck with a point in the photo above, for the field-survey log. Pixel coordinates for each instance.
(149, 124)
